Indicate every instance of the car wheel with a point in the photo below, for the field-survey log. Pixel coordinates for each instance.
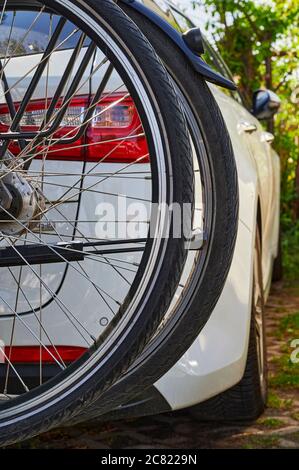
(277, 273)
(246, 400)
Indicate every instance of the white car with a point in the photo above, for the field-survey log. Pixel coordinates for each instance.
(226, 364)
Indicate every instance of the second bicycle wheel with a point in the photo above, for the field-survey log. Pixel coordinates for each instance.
(206, 269)
(96, 169)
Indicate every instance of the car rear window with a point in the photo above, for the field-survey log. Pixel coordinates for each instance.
(28, 32)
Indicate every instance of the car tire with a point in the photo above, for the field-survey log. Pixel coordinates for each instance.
(246, 400)
(277, 273)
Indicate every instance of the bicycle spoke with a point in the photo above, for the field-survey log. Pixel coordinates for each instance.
(60, 304)
(72, 137)
(12, 330)
(15, 370)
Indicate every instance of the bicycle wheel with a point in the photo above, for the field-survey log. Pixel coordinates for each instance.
(216, 217)
(87, 115)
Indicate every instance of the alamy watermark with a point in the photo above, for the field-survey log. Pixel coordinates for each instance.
(124, 220)
(295, 353)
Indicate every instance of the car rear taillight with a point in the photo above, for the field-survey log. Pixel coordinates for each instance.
(114, 134)
(35, 354)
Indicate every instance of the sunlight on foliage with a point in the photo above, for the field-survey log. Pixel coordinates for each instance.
(259, 40)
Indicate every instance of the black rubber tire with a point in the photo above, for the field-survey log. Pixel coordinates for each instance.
(277, 273)
(246, 400)
(169, 115)
(169, 345)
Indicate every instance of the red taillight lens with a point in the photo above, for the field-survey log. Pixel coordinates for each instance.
(35, 354)
(116, 119)
(114, 115)
(113, 135)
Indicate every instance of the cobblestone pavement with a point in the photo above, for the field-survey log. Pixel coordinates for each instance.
(278, 427)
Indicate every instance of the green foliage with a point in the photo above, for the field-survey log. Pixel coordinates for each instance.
(289, 325)
(287, 375)
(274, 401)
(251, 33)
(271, 423)
(262, 442)
(259, 40)
(290, 244)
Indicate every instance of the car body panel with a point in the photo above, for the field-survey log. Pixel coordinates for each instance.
(216, 360)
(73, 293)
